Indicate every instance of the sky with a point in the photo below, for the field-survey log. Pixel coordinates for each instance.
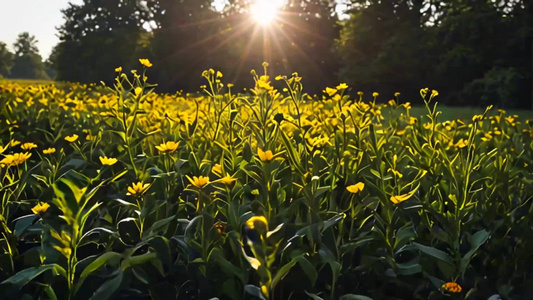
(38, 17)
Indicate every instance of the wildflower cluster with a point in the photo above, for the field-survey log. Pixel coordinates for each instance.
(117, 191)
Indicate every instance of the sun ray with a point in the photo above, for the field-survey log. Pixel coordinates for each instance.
(264, 12)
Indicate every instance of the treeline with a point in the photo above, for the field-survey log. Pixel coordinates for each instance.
(475, 52)
(25, 62)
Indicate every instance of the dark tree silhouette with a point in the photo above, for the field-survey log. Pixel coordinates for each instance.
(27, 63)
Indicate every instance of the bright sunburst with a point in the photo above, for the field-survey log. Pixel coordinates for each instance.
(266, 11)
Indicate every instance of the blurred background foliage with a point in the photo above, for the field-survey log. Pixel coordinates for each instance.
(474, 52)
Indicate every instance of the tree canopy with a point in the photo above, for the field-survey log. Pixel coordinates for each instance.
(27, 62)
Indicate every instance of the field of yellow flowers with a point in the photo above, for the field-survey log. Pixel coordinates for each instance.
(119, 192)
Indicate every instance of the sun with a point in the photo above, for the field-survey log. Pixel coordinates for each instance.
(264, 12)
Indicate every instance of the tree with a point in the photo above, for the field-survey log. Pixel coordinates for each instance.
(27, 63)
(382, 48)
(473, 52)
(6, 60)
(186, 40)
(99, 36)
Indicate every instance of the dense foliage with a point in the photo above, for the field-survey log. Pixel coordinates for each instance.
(26, 62)
(119, 192)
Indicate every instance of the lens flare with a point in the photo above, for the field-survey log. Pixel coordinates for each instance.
(264, 12)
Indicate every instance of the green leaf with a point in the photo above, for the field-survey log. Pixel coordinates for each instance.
(308, 269)
(191, 228)
(160, 226)
(254, 291)
(125, 203)
(333, 221)
(162, 249)
(403, 235)
(22, 223)
(106, 290)
(282, 272)
(68, 195)
(436, 253)
(50, 292)
(478, 239)
(354, 297)
(409, 268)
(217, 257)
(293, 155)
(141, 275)
(313, 296)
(27, 275)
(98, 230)
(106, 258)
(375, 173)
(139, 259)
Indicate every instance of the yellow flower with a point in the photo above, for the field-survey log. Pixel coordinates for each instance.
(392, 102)
(264, 290)
(49, 151)
(145, 62)
(118, 70)
(375, 94)
(138, 91)
(138, 188)
(356, 188)
(2, 149)
(168, 147)
(108, 161)
(217, 169)
(452, 287)
(402, 198)
(15, 159)
(220, 227)
(434, 93)
(342, 86)
(330, 91)
(257, 223)
(395, 172)
(265, 155)
(28, 146)
(199, 182)
(14, 143)
(400, 132)
(461, 143)
(477, 118)
(397, 94)
(264, 83)
(40, 208)
(486, 137)
(72, 138)
(227, 180)
(530, 131)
